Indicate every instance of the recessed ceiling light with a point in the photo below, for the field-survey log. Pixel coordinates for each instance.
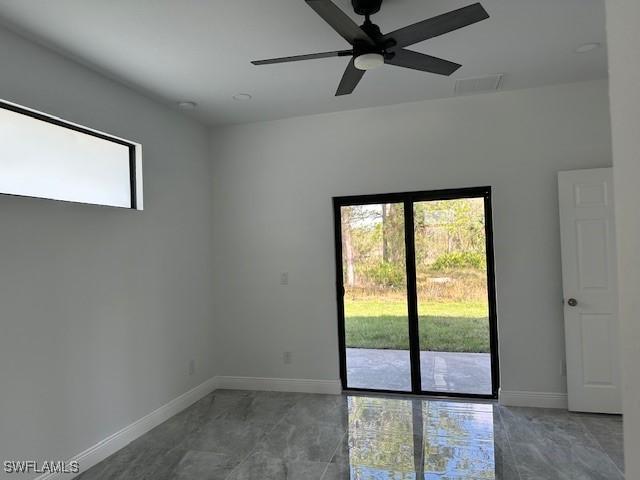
(187, 105)
(242, 97)
(587, 47)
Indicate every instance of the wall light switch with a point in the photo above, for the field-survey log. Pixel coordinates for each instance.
(284, 278)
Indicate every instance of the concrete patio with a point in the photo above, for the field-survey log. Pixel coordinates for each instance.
(441, 371)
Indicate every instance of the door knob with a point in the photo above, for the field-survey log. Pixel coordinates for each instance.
(572, 302)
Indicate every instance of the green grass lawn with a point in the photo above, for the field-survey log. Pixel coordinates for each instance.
(444, 327)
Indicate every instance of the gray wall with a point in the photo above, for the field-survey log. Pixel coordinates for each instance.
(624, 65)
(273, 184)
(101, 309)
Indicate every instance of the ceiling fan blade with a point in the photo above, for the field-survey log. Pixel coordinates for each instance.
(420, 61)
(439, 25)
(350, 79)
(297, 58)
(340, 21)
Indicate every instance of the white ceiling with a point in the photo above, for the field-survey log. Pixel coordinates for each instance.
(200, 50)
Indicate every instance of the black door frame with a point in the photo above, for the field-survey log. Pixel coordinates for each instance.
(408, 199)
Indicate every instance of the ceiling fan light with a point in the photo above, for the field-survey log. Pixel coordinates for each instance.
(368, 61)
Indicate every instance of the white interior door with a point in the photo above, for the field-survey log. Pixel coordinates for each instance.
(589, 275)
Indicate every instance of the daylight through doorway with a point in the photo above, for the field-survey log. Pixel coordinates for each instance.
(375, 300)
(416, 295)
(453, 306)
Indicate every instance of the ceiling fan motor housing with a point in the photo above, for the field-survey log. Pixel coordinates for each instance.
(366, 7)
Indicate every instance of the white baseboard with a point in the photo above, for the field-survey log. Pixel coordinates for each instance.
(103, 449)
(332, 387)
(515, 398)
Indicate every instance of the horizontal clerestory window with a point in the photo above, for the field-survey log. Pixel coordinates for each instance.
(45, 157)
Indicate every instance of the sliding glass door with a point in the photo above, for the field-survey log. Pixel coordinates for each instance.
(416, 296)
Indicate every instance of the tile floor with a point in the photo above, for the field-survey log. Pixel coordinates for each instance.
(233, 435)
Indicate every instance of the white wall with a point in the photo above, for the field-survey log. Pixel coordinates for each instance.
(624, 65)
(101, 309)
(273, 184)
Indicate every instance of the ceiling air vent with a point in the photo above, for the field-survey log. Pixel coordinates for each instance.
(487, 83)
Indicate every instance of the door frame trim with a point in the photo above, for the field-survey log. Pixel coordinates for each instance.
(408, 198)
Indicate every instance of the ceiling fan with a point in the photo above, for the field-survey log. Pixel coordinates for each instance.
(371, 48)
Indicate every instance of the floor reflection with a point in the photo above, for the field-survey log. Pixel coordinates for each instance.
(391, 439)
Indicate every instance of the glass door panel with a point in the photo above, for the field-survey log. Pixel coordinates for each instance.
(375, 297)
(453, 298)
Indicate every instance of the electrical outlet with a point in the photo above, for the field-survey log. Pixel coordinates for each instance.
(192, 366)
(284, 278)
(287, 358)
